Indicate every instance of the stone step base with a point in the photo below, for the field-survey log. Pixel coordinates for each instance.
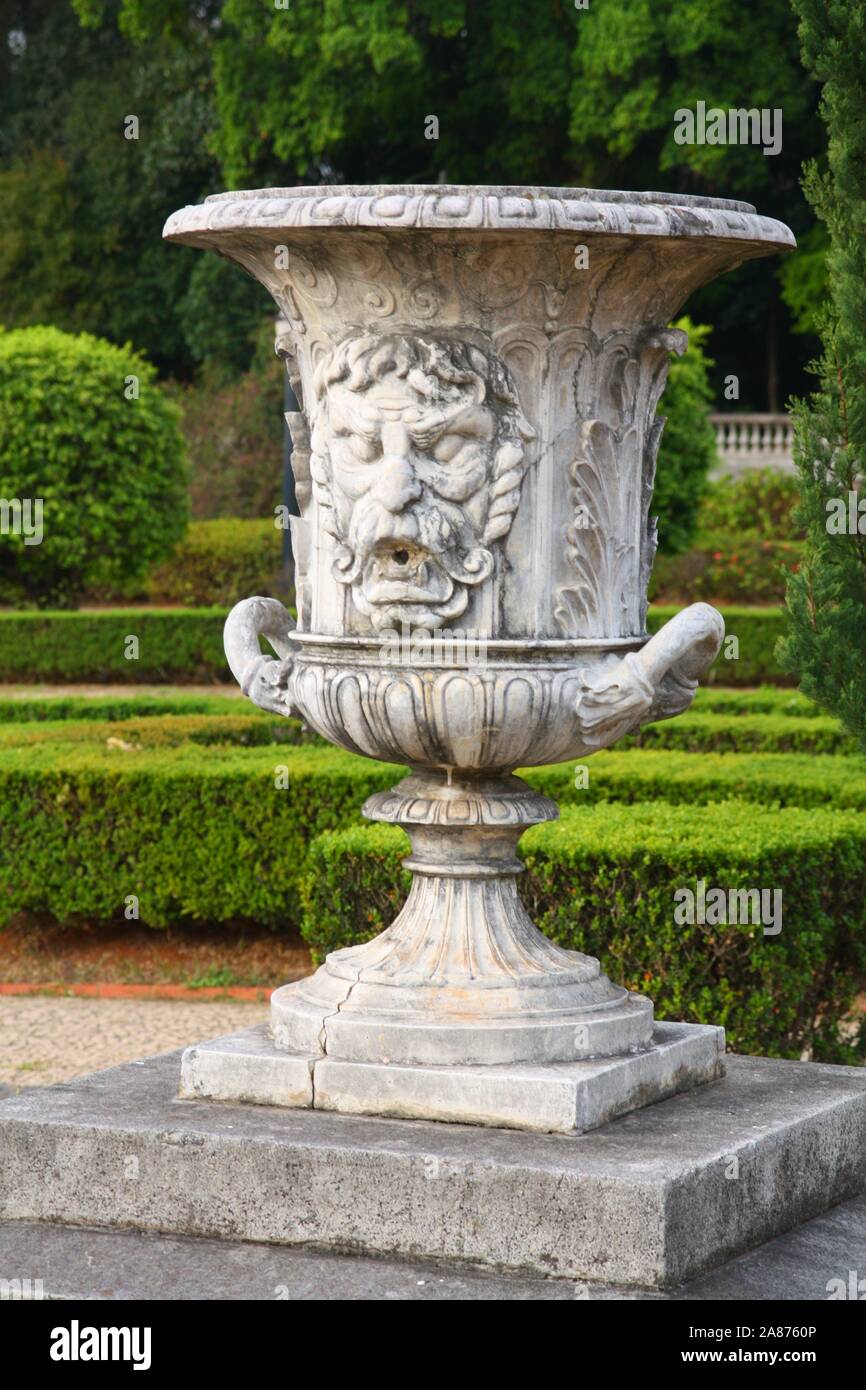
(84, 1262)
(651, 1200)
(557, 1098)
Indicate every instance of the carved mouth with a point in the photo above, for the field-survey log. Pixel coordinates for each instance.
(399, 573)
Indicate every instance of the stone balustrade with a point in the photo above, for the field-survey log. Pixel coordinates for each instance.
(753, 441)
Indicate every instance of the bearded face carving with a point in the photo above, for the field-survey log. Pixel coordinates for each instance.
(417, 462)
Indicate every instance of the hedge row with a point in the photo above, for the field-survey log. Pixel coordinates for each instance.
(234, 730)
(766, 699)
(40, 709)
(174, 644)
(745, 733)
(185, 645)
(221, 833)
(648, 774)
(202, 834)
(241, 723)
(602, 880)
(130, 704)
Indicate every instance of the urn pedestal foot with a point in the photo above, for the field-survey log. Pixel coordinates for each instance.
(461, 1010)
(462, 976)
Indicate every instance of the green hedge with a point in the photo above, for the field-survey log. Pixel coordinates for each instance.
(239, 722)
(38, 709)
(90, 814)
(185, 645)
(240, 730)
(175, 644)
(202, 834)
(766, 699)
(649, 774)
(602, 880)
(130, 704)
(745, 733)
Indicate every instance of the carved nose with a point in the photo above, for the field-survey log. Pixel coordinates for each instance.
(396, 486)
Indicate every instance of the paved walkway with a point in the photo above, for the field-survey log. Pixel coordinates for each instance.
(44, 1040)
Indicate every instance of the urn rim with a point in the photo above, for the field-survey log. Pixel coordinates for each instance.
(477, 208)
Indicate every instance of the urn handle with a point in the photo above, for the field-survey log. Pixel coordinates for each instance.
(263, 678)
(656, 682)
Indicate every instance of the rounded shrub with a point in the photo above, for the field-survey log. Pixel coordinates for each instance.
(93, 480)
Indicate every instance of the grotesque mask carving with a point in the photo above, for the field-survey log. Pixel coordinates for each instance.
(417, 460)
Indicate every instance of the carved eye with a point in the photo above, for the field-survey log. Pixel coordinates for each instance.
(448, 447)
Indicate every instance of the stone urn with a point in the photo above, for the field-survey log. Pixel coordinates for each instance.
(478, 370)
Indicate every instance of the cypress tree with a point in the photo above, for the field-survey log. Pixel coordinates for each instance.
(826, 599)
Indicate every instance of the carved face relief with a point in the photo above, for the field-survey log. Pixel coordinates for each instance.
(417, 459)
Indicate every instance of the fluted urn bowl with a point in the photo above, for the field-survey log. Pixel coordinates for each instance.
(478, 371)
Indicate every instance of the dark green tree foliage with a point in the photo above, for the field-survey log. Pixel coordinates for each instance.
(86, 432)
(81, 206)
(688, 446)
(827, 598)
(523, 93)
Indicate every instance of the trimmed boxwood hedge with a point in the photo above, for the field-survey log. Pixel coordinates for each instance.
(602, 880)
(761, 733)
(202, 834)
(185, 645)
(240, 722)
(766, 699)
(218, 833)
(38, 709)
(649, 774)
(175, 644)
(169, 731)
(132, 704)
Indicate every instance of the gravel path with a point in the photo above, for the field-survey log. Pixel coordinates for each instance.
(45, 1040)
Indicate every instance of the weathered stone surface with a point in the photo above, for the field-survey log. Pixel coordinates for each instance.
(243, 1068)
(97, 1263)
(648, 1200)
(564, 1098)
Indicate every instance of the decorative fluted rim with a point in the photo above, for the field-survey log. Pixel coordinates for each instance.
(465, 208)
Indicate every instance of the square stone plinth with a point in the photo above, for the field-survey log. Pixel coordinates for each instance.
(560, 1097)
(650, 1200)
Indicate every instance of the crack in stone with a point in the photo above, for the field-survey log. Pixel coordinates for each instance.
(323, 1040)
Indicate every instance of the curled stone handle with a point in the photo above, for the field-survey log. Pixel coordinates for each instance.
(685, 648)
(263, 678)
(657, 682)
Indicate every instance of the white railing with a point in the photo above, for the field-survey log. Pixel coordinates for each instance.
(753, 441)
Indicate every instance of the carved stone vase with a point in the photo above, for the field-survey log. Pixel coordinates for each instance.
(478, 371)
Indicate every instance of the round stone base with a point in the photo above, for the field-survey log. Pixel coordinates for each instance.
(610, 1029)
